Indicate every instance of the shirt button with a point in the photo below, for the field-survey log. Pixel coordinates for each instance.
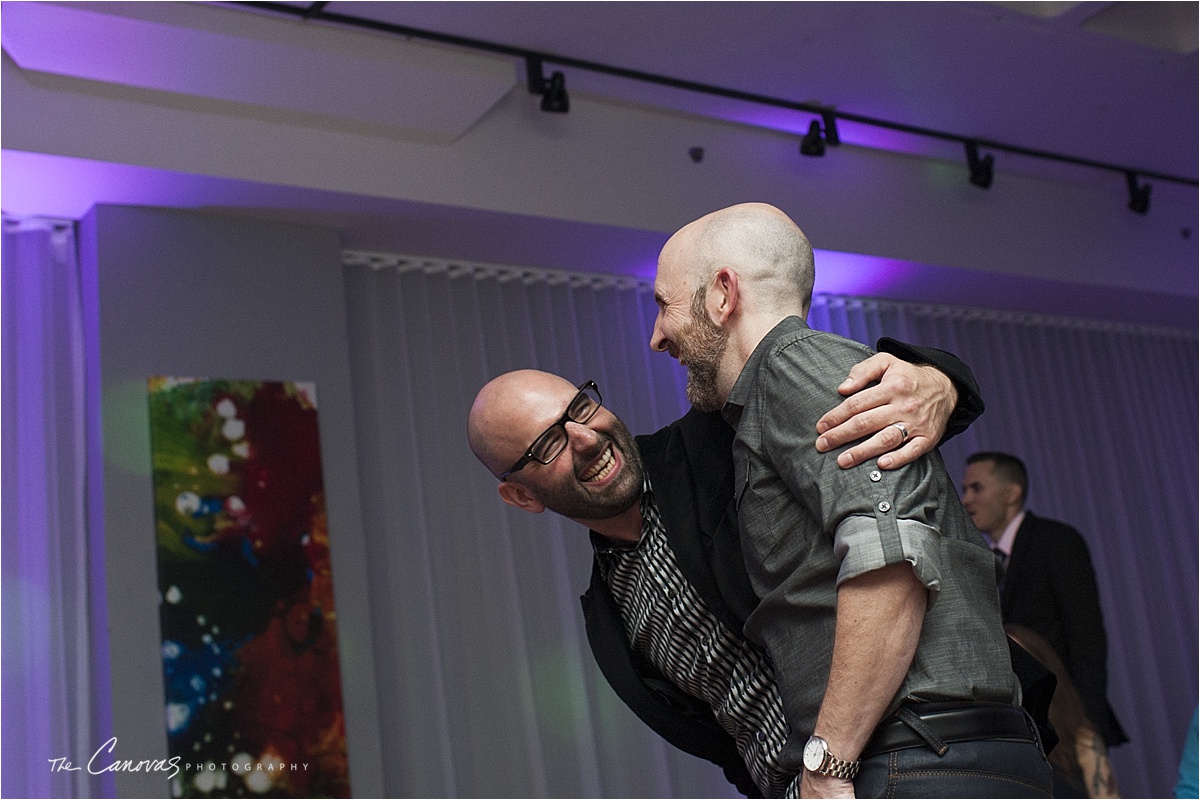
(876, 475)
(884, 506)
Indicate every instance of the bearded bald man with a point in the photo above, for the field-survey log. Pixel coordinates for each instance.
(658, 508)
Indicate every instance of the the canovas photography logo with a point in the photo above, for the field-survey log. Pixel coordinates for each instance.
(259, 775)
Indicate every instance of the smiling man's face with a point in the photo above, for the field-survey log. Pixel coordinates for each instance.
(683, 327)
(598, 474)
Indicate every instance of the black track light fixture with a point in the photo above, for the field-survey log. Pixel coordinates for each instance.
(812, 144)
(831, 131)
(553, 91)
(981, 168)
(1139, 196)
(555, 99)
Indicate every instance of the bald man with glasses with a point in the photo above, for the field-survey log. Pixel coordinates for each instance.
(659, 511)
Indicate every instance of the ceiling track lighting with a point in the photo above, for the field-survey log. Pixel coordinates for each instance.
(1139, 196)
(980, 168)
(554, 99)
(831, 131)
(553, 91)
(813, 143)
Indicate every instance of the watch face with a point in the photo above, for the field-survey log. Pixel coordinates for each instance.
(814, 753)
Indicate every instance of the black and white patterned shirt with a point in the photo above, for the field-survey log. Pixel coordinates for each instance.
(668, 624)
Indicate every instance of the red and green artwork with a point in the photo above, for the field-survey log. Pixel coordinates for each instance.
(249, 639)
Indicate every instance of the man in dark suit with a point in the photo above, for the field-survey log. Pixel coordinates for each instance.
(676, 485)
(1049, 585)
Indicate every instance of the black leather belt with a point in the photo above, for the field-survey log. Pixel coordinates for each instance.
(937, 725)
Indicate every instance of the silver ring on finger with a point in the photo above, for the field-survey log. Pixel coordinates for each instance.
(903, 431)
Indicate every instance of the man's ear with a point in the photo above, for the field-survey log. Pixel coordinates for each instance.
(723, 295)
(1012, 494)
(517, 495)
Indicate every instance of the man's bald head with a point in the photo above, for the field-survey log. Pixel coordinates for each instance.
(596, 479)
(723, 281)
(495, 428)
(772, 256)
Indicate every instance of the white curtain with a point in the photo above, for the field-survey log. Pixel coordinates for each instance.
(52, 678)
(1105, 418)
(487, 683)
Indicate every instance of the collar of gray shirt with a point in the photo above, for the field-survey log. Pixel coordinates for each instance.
(732, 411)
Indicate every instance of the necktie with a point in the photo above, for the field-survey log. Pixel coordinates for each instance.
(1001, 568)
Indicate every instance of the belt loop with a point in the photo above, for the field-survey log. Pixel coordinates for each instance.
(1033, 729)
(910, 718)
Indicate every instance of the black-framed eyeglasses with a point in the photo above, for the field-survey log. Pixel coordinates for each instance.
(553, 440)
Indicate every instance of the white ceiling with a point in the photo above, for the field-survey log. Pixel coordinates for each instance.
(1112, 82)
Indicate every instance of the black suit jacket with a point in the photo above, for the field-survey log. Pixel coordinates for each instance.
(690, 466)
(1050, 587)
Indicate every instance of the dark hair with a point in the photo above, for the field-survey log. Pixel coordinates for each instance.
(1008, 468)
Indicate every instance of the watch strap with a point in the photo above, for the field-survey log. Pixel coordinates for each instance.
(829, 764)
(838, 768)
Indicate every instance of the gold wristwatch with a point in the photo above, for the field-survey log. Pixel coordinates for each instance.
(819, 761)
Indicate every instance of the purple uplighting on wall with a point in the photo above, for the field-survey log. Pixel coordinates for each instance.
(852, 274)
(57, 186)
(854, 134)
(860, 275)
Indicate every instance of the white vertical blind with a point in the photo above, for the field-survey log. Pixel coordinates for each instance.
(488, 685)
(52, 676)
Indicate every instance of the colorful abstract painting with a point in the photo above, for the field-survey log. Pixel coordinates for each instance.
(249, 639)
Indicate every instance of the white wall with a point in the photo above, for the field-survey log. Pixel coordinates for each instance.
(199, 295)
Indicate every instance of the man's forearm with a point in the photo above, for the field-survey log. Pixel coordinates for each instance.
(879, 616)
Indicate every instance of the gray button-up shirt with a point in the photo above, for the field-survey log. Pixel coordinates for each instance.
(807, 525)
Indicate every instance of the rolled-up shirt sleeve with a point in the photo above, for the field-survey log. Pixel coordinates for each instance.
(875, 517)
(857, 544)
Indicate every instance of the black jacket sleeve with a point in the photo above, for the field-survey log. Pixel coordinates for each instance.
(970, 401)
(683, 720)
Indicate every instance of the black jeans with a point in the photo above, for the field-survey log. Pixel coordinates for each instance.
(981, 768)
